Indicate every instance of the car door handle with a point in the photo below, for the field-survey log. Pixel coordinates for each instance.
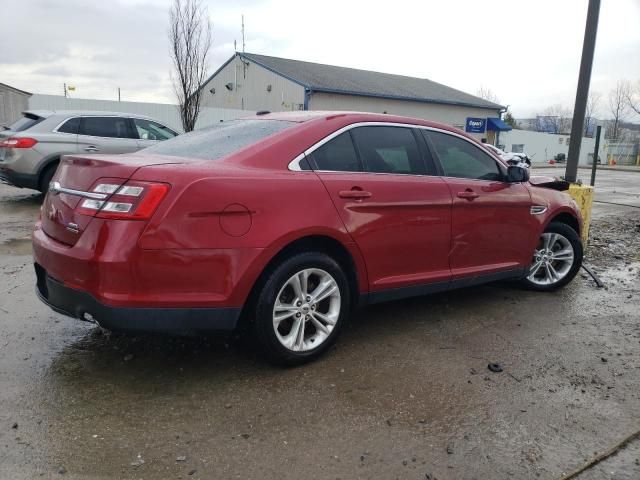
(468, 194)
(355, 194)
(91, 148)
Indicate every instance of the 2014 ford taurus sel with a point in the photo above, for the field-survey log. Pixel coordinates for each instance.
(284, 222)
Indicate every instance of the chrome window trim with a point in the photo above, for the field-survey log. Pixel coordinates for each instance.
(55, 130)
(294, 165)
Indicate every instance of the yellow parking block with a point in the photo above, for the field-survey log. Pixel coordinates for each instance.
(583, 195)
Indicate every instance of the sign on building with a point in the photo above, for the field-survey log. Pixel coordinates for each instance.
(475, 125)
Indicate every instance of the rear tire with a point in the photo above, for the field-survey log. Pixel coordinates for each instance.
(46, 176)
(556, 260)
(301, 308)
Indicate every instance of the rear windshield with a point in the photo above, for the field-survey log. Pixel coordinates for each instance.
(215, 142)
(27, 121)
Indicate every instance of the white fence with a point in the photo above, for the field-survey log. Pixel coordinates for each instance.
(163, 112)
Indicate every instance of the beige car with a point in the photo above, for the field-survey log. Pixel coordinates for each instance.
(30, 149)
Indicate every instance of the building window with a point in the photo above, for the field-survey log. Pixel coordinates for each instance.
(560, 140)
(517, 148)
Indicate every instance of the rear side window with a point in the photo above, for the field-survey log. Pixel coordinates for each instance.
(337, 155)
(148, 130)
(27, 121)
(219, 141)
(389, 150)
(110, 127)
(70, 126)
(461, 159)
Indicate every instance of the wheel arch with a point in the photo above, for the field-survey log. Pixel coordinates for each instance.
(47, 164)
(568, 218)
(347, 256)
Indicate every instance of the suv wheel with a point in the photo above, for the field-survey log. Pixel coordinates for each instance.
(47, 175)
(556, 260)
(301, 308)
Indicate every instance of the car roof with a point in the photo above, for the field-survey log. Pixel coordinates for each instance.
(350, 117)
(66, 113)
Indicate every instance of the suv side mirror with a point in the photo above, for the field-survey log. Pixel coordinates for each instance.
(517, 174)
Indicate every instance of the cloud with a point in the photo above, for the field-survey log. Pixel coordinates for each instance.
(528, 53)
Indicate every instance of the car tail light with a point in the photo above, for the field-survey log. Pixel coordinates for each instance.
(18, 142)
(131, 201)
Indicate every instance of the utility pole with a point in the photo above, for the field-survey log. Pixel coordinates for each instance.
(595, 156)
(118, 93)
(584, 78)
(242, 33)
(244, 65)
(65, 90)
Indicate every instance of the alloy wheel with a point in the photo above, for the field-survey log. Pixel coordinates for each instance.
(306, 310)
(552, 259)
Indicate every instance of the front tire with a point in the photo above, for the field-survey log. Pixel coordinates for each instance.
(301, 308)
(556, 260)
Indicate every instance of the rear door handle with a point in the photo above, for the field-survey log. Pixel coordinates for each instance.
(91, 148)
(355, 194)
(468, 194)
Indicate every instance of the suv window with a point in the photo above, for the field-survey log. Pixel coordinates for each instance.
(27, 121)
(460, 158)
(148, 130)
(112, 127)
(70, 126)
(337, 155)
(389, 150)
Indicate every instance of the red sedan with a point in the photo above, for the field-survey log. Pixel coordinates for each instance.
(285, 222)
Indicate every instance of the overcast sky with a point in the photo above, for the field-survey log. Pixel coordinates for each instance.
(526, 52)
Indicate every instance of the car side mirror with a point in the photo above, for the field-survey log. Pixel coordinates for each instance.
(517, 174)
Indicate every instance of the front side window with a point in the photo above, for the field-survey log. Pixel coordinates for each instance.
(460, 158)
(148, 130)
(389, 150)
(337, 155)
(111, 127)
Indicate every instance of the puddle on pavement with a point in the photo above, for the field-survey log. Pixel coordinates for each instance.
(22, 203)
(16, 246)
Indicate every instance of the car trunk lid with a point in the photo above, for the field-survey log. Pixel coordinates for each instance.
(73, 183)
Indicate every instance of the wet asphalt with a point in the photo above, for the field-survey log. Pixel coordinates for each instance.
(406, 392)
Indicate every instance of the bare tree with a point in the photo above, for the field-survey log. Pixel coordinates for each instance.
(488, 95)
(633, 97)
(190, 40)
(618, 107)
(593, 103)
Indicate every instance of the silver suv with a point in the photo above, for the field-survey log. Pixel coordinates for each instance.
(30, 149)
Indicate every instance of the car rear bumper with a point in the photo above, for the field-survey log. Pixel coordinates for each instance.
(22, 180)
(178, 321)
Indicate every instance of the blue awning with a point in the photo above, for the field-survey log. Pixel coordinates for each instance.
(497, 125)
